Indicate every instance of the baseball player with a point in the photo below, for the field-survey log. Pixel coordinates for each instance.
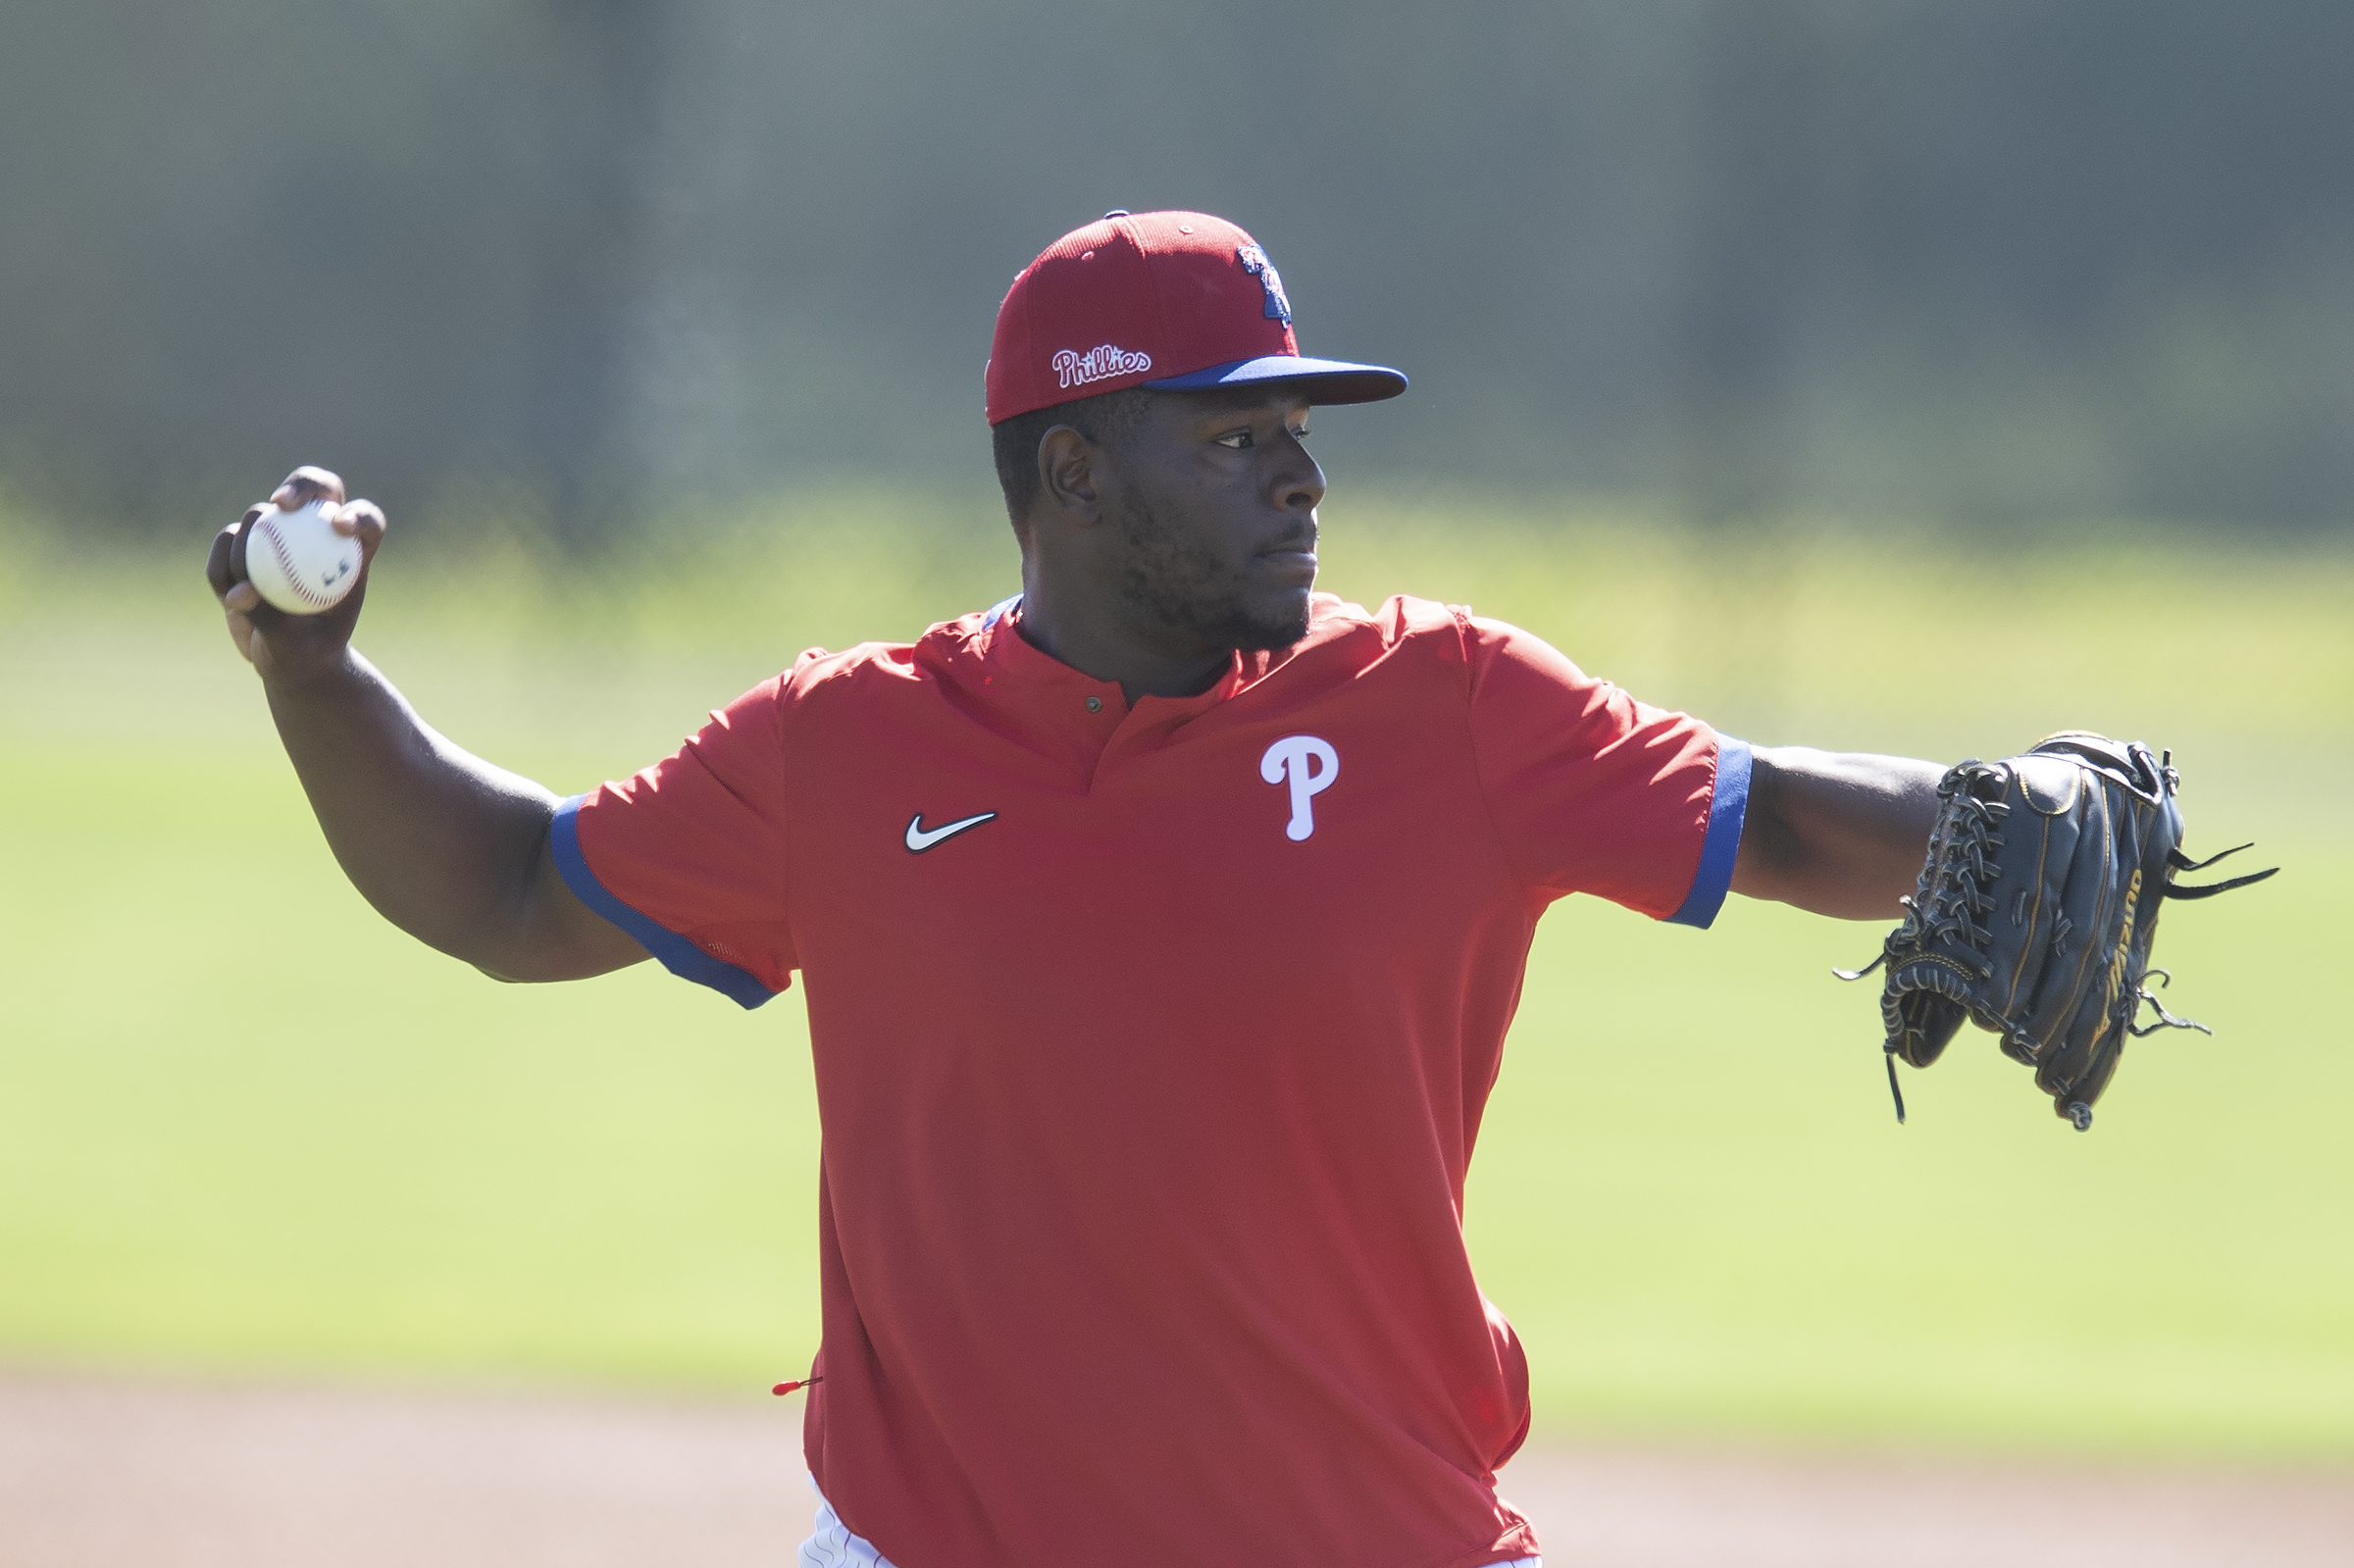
(1161, 928)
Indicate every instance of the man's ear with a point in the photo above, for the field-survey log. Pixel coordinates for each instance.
(1066, 476)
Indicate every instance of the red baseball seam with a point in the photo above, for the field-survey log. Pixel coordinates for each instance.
(285, 567)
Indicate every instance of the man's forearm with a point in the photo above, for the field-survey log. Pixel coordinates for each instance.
(445, 845)
(1840, 833)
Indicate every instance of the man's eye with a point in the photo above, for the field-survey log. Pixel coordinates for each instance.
(1236, 440)
(1302, 433)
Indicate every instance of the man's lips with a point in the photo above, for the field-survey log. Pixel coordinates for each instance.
(1294, 555)
(1298, 560)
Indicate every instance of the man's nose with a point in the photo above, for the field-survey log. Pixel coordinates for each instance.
(1301, 485)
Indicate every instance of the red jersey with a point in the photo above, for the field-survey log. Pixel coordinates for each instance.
(1151, 1046)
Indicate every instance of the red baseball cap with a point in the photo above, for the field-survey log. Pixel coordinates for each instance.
(1173, 301)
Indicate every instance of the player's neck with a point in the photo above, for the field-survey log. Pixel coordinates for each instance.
(1091, 637)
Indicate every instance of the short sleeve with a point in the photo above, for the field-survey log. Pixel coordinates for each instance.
(688, 856)
(1594, 792)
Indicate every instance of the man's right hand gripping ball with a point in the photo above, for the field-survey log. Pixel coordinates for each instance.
(283, 648)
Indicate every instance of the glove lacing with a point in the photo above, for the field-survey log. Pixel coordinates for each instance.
(1955, 898)
(1968, 868)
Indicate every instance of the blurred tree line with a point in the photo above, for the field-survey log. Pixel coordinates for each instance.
(1996, 259)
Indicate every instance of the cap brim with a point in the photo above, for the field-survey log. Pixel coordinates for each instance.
(1328, 381)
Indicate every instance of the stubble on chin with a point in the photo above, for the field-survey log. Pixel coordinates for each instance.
(1271, 633)
(1179, 583)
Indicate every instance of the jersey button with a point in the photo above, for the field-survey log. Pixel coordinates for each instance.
(1094, 704)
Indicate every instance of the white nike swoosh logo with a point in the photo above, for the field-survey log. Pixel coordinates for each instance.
(921, 838)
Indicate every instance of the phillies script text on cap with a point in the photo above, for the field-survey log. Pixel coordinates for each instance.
(1173, 301)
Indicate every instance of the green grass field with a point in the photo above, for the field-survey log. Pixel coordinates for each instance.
(356, 1157)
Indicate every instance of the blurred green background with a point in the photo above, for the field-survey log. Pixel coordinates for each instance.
(2009, 259)
(1879, 374)
(246, 1126)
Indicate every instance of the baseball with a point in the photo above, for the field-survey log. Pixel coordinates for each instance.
(297, 561)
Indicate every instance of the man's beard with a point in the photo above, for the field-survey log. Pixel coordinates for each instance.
(1183, 585)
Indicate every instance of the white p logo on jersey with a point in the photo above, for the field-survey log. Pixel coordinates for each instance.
(1290, 758)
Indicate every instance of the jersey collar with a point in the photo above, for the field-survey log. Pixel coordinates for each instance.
(1007, 651)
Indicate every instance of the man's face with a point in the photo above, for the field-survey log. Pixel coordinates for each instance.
(1214, 500)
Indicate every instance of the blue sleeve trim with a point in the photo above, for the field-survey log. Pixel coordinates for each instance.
(676, 954)
(1727, 808)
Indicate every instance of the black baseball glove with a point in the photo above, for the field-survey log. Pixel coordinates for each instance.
(2035, 911)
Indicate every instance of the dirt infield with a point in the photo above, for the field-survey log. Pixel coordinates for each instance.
(112, 1474)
